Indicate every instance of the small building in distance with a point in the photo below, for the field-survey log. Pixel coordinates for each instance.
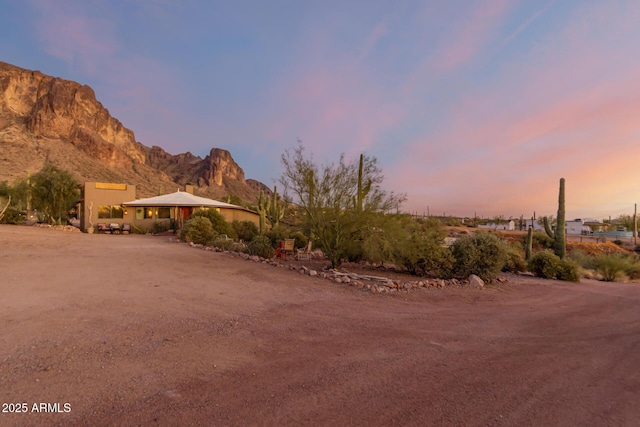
(507, 225)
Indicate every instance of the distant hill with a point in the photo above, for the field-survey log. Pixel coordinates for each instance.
(44, 118)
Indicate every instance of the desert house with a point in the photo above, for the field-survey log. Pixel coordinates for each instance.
(109, 203)
(583, 226)
(507, 225)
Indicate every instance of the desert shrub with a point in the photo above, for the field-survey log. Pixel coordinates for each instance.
(568, 270)
(633, 271)
(218, 223)
(421, 257)
(421, 251)
(618, 242)
(198, 230)
(277, 234)
(637, 249)
(245, 230)
(541, 240)
(611, 266)
(483, 254)
(224, 244)
(161, 226)
(582, 258)
(514, 261)
(301, 239)
(261, 246)
(547, 265)
(12, 216)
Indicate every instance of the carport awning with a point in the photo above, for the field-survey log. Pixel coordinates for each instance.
(180, 198)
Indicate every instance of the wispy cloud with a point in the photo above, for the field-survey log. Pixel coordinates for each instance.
(72, 36)
(526, 23)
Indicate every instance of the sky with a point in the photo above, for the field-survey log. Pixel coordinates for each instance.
(472, 107)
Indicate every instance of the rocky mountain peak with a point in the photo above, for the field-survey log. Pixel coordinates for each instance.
(41, 113)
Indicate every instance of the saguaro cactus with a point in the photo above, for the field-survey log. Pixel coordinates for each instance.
(558, 236)
(363, 189)
(275, 209)
(529, 246)
(263, 207)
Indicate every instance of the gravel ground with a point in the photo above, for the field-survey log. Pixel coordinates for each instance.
(108, 330)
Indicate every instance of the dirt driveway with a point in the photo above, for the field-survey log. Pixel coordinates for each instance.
(135, 330)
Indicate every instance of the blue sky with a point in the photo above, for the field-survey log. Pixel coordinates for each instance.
(470, 106)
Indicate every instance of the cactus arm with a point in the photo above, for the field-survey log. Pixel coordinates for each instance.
(547, 228)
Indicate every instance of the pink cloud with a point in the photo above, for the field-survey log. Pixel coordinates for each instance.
(76, 38)
(474, 35)
(378, 32)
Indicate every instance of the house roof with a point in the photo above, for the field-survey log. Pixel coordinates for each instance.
(181, 198)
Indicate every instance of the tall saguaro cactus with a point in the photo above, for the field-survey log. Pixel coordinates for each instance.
(275, 209)
(558, 236)
(529, 244)
(263, 207)
(363, 189)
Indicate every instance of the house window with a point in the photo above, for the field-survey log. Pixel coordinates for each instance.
(144, 213)
(117, 212)
(110, 211)
(104, 211)
(164, 213)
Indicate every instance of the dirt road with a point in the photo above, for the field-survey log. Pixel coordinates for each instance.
(135, 330)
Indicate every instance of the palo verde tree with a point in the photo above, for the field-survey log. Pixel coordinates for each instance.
(338, 200)
(54, 192)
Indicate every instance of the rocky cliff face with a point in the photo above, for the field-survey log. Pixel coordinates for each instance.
(39, 113)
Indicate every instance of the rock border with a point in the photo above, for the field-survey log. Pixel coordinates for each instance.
(373, 284)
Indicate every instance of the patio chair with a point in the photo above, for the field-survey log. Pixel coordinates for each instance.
(126, 228)
(102, 228)
(289, 247)
(304, 252)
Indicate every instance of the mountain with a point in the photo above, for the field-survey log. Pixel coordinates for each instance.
(48, 119)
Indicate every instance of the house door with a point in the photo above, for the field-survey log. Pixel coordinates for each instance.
(185, 213)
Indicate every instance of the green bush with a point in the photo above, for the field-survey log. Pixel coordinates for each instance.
(198, 230)
(483, 254)
(219, 224)
(611, 267)
(568, 271)
(633, 271)
(423, 254)
(582, 258)
(245, 230)
(261, 246)
(224, 244)
(541, 240)
(301, 239)
(545, 264)
(12, 216)
(277, 235)
(618, 242)
(514, 262)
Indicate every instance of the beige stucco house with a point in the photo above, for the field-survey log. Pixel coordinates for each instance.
(108, 203)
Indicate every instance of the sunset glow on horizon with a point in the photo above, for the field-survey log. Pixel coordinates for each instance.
(471, 107)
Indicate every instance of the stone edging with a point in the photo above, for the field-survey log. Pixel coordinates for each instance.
(373, 284)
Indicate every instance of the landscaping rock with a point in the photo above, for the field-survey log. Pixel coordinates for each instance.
(476, 282)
